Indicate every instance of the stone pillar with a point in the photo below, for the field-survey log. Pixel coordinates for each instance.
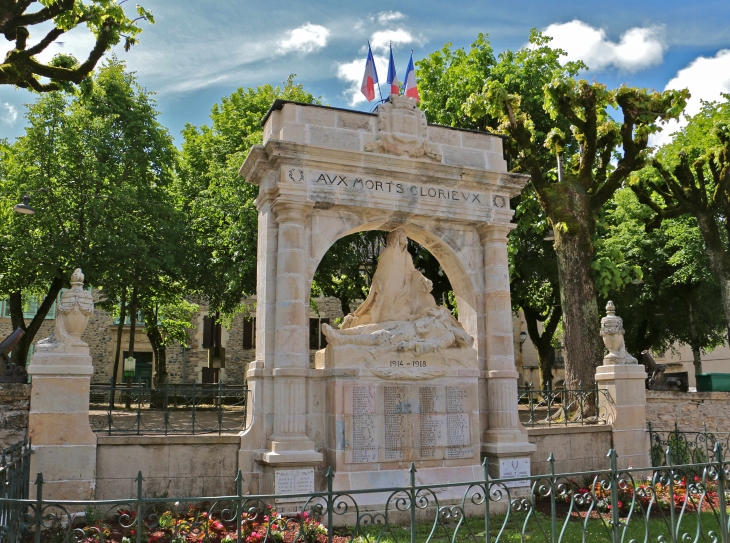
(64, 447)
(505, 437)
(289, 443)
(624, 381)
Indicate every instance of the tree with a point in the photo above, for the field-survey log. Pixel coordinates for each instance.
(448, 79)
(676, 298)
(691, 175)
(218, 204)
(105, 19)
(587, 181)
(98, 166)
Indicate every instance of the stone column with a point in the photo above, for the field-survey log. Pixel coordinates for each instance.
(623, 379)
(289, 444)
(64, 447)
(505, 437)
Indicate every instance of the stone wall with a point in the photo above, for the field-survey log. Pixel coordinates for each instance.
(690, 410)
(575, 448)
(14, 407)
(170, 465)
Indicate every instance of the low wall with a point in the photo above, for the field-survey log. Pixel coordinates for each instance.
(14, 407)
(690, 410)
(575, 448)
(171, 465)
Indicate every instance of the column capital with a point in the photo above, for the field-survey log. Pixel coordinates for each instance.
(495, 232)
(288, 211)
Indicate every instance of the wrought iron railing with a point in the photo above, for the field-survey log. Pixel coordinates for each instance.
(687, 503)
(560, 406)
(689, 446)
(170, 409)
(14, 483)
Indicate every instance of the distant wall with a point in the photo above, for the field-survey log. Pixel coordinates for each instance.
(575, 448)
(14, 407)
(690, 410)
(175, 466)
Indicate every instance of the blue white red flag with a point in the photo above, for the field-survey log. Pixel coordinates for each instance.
(370, 78)
(392, 77)
(410, 87)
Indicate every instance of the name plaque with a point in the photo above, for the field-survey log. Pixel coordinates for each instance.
(407, 422)
(514, 467)
(293, 481)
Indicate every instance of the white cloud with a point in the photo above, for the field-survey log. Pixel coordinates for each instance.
(305, 39)
(352, 73)
(387, 16)
(381, 40)
(638, 48)
(706, 78)
(9, 114)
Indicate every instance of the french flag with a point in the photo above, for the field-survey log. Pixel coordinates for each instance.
(370, 77)
(392, 77)
(411, 89)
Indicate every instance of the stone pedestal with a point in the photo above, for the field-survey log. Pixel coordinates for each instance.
(627, 409)
(64, 447)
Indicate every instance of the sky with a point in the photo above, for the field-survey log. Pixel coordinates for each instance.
(201, 50)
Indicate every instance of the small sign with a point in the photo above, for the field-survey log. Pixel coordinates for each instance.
(130, 365)
(514, 467)
(293, 481)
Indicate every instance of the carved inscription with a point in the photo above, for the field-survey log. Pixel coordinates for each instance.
(364, 439)
(397, 409)
(363, 184)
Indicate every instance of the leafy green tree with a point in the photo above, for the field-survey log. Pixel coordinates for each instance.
(533, 266)
(691, 176)
(678, 298)
(588, 178)
(98, 166)
(218, 204)
(105, 19)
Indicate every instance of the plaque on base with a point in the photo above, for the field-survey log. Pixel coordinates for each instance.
(514, 467)
(293, 481)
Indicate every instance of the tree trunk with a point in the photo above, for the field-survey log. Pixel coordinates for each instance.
(581, 320)
(132, 332)
(20, 352)
(694, 337)
(717, 260)
(158, 347)
(543, 342)
(120, 333)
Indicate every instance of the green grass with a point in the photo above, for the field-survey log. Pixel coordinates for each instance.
(539, 529)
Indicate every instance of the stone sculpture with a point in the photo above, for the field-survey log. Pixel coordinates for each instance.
(400, 313)
(612, 332)
(72, 315)
(403, 131)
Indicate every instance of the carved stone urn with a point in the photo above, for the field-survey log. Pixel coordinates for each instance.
(74, 310)
(612, 332)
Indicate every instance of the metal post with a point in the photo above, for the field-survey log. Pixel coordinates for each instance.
(38, 507)
(239, 505)
(553, 518)
(615, 537)
(412, 471)
(220, 407)
(672, 514)
(140, 512)
(330, 505)
(725, 536)
(487, 527)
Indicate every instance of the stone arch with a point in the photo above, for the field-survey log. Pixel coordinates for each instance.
(457, 250)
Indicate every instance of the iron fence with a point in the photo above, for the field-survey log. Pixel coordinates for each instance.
(689, 446)
(687, 503)
(14, 484)
(171, 409)
(561, 406)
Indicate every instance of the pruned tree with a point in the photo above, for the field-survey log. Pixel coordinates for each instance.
(691, 176)
(106, 20)
(588, 180)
